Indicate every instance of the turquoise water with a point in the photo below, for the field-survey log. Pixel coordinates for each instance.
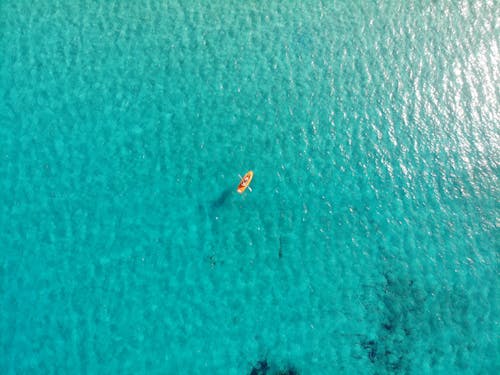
(369, 244)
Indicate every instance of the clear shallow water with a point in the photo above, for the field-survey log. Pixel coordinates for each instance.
(368, 245)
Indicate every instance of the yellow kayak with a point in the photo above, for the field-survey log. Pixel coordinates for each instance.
(245, 181)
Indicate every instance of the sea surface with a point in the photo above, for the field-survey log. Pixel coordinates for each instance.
(369, 244)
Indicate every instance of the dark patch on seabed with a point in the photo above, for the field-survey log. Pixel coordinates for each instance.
(262, 367)
(402, 303)
(405, 322)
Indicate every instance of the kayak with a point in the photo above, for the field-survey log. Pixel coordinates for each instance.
(245, 181)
